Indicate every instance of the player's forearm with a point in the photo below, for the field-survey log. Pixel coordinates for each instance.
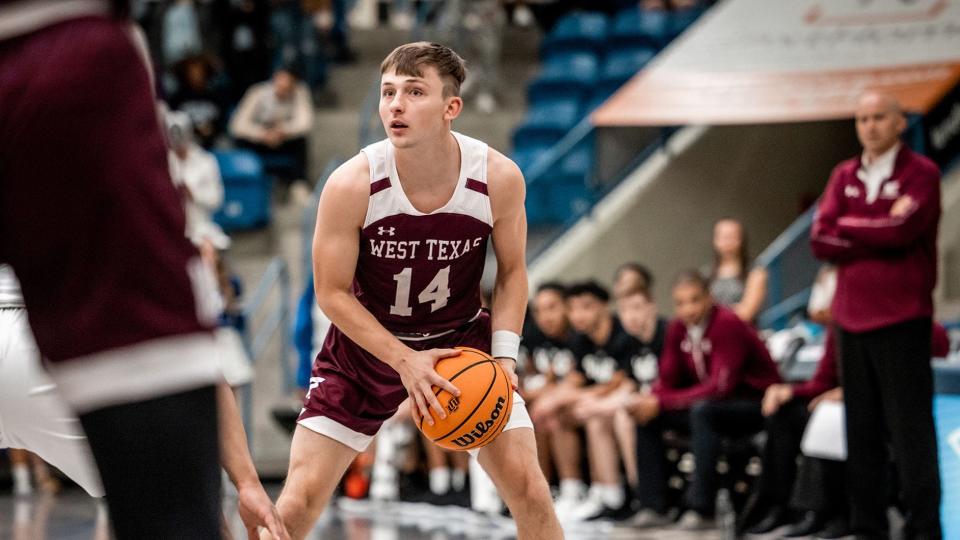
(234, 453)
(354, 320)
(509, 299)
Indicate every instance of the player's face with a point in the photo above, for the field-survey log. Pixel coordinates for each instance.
(550, 313)
(691, 303)
(635, 313)
(414, 109)
(625, 280)
(727, 237)
(283, 84)
(585, 312)
(879, 123)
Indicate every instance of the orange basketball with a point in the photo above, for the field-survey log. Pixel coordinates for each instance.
(483, 408)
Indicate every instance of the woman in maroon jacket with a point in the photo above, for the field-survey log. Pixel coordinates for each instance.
(713, 373)
(878, 222)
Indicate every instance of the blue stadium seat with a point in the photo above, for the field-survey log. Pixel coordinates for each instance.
(565, 76)
(546, 122)
(681, 20)
(637, 28)
(622, 64)
(246, 201)
(577, 31)
(526, 154)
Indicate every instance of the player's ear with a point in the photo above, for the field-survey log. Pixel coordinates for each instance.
(454, 107)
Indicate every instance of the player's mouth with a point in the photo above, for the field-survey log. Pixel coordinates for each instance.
(397, 127)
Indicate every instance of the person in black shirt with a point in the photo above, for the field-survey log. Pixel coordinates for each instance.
(549, 382)
(603, 351)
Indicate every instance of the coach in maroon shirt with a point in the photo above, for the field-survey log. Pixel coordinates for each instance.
(878, 221)
(713, 373)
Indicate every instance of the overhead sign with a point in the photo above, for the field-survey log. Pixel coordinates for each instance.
(757, 61)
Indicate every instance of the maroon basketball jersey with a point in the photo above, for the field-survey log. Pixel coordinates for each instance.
(420, 273)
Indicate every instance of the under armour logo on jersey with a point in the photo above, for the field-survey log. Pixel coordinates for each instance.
(386, 230)
(851, 191)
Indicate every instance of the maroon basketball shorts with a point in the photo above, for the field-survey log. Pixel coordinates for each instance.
(91, 222)
(352, 393)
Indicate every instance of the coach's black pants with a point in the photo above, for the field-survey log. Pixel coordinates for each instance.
(160, 465)
(888, 390)
(707, 422)
(818, 485)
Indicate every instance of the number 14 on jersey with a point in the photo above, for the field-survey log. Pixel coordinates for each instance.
(436, 293)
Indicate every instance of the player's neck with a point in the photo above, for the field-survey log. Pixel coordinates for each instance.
(429, 164)
(601, 334)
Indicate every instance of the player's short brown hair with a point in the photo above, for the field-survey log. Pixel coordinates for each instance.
(635, 290)
(409, 60)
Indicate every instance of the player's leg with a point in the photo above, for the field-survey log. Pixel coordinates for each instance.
(606, 491)
(625, 430)
(317, 462)
(511, 462)
(567, 451)
(438, 468)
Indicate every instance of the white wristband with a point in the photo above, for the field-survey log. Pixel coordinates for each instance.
(505, 344)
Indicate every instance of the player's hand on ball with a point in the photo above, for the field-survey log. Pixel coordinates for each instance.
(418, 376)
(256, 510)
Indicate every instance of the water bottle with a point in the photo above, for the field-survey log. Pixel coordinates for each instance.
(726, 516)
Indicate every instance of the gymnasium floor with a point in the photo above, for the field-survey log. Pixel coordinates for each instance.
(72, 515)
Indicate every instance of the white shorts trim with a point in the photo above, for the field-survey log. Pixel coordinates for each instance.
(337, 431)
(519, 418)
(147, 370)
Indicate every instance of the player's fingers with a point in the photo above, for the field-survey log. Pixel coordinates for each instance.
(276, 527)
(421, 406)
(445, 353)
(433, 401)
(437, 380)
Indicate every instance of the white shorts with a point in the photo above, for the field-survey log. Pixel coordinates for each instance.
(32, 414)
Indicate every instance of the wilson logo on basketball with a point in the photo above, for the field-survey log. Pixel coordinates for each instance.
(453, 404)
(482, 427)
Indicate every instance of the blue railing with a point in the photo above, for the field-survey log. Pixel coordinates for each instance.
(277, 319)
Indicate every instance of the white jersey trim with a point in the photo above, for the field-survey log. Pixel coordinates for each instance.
(25, 16)
(337, 431)
(147, 370)
(393, 201)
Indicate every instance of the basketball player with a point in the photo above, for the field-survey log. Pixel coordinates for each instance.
(398, 254)
(34, 417)
(93, 226)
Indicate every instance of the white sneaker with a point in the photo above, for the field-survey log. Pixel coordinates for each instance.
(647, 518)
(691, 520)
(566, 503)
(591, 507)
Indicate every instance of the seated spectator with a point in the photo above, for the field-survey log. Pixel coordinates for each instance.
(713, 373)
(195, 171)
(630, 276)
(198, 96)
(544, 363)
(819, 494)
(732, 282)
(603, 351)
(274, 119)
(821, 497)
(637, 313)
